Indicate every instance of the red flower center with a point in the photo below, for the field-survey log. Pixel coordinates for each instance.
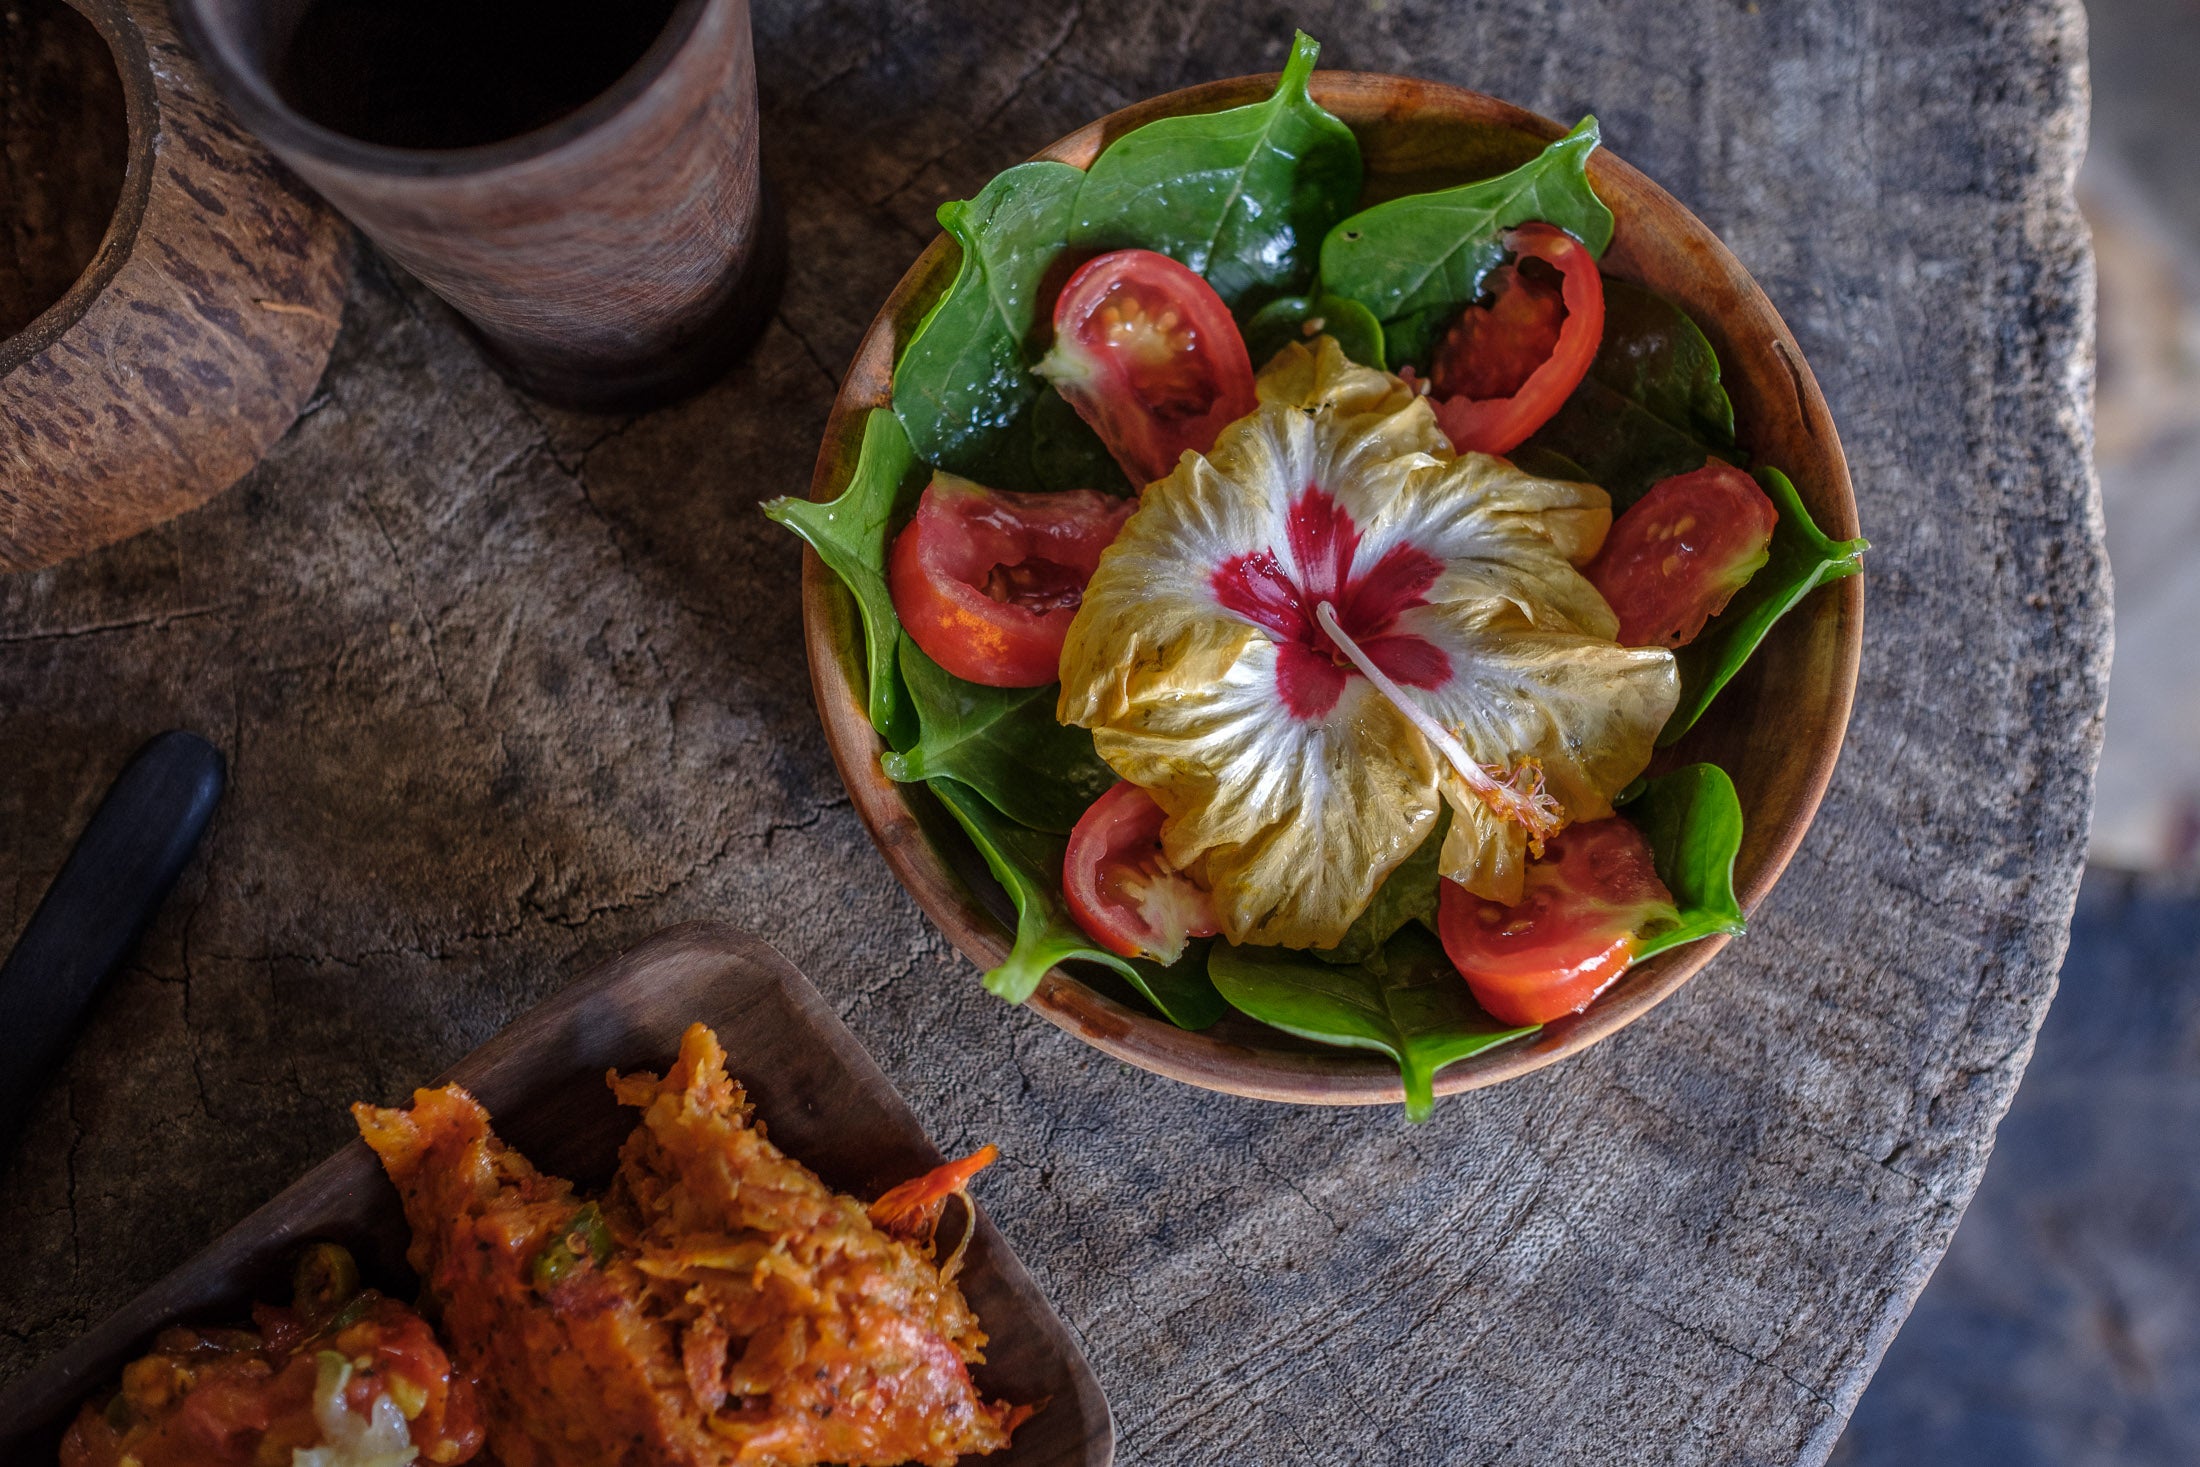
(1311, 671)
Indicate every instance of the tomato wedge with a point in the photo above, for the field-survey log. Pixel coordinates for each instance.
(1120, 892)
(987, 581)
(1573, 931)
(1505, 367)
(1147, 353)
(1679, 553)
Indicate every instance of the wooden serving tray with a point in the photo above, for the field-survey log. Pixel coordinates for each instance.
(824, 1100)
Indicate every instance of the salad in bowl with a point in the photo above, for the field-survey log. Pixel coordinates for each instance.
(1312, 571)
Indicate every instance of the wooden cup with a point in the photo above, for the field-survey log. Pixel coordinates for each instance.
(616, 258)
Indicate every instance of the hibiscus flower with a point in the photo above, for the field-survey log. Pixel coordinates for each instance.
(1306, 639)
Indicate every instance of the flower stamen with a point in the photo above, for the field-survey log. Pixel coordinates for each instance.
(1515, 794)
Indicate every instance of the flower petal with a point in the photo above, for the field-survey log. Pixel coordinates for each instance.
(1309, 683)
(1292, 785)
(1290, 822)
(1500, 534)
(1149, 622)
(1586, 709)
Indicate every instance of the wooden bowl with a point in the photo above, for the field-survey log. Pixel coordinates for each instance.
(1776, 729)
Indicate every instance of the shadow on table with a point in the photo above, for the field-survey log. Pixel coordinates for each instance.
(2063, 1328)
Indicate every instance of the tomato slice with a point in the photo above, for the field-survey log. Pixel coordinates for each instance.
(1573, 931)
(1120, 892)
(1505, 367)
(1679, 553)
(1147, 353)
(987, 581)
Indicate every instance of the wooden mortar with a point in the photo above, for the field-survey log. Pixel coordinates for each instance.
(198, 329)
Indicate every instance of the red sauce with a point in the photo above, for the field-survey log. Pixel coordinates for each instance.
(244, 1398)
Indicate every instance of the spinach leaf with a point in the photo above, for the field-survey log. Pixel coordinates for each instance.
(1619, 444)
(1654, 355)
(1242, 197)
(1067, 454)
(1408, 894)
(1546, 464)
(1802, 560)
(850, 535)
(1693, 822)
(1418, 261)
(964, 387)
(1303, 317)
(1028, 865)
(1001, 742)
(1417, 1009)
(1652, 405)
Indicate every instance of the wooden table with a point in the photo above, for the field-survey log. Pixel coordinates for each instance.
(506, 690)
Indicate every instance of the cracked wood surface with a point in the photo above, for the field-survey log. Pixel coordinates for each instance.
(506, 690)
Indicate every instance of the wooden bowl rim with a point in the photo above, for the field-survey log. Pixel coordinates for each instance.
(1310, 1076)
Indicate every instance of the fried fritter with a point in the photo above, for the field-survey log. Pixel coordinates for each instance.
(720, 1305)
(342, 1378)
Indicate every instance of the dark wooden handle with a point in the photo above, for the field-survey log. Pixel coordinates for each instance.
(92, 915)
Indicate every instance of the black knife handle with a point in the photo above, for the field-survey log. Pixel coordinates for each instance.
(113, 882)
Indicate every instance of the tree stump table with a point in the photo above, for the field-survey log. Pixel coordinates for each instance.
(505, 690)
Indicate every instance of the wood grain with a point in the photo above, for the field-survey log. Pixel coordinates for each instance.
(824, 1101)
(614, 259)
(1777, 730)
(191, 342)
(506, 690)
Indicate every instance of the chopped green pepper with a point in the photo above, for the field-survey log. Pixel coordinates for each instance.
(325, 1280)
(586, 1236)
(351, 1313)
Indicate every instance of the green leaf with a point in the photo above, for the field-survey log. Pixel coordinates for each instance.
(1652, 405)
(1067, 454)
(1028, 865)
(1618, 443)
(1417, 1010)
(850, 535)
(1418, 261)
(1802, 560)
(1001, 742)
(1693, 822)
(1302, 318)
(1242, 197)
(1408, 894)
(1546, 464)
(964, 387)
(1654, 355)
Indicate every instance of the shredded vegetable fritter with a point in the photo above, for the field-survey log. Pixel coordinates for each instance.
(719, 1305)
(342, 1378)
